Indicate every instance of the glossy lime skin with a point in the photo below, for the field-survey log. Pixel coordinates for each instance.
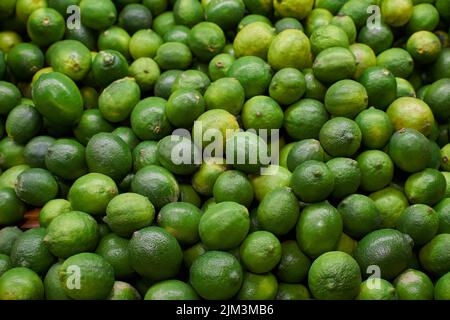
(58, 98)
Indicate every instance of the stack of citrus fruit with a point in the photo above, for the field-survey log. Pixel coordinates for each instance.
(224, 149)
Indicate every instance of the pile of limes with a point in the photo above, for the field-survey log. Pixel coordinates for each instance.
(224, 149)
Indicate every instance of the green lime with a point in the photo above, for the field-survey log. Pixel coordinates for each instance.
(424, 46)
(278, 211)
(178, 154)
(66, 159)
(288, 85)
(29, 251)
(224, 225)
(274, 177)
(396, 60)
(177, 34)
(247, 152)
(380, 85)
(359, 214)
(45, 26)
(420, 222)
(216, 275)
(109, 66)
(91, 123)
(54, 289)
(8, 235)
(129, 212)
(98, 15)
(328, 36)
(118, 99)
(290, 49)
(203, 180)
(346, 244)
(294, 264)
(304, 119)
(144, 154)
(377, 170)
(414, 285)
(260, 252)
(11, 153)
(191, 79)
(171, 290)
(184, 107)
(21, 284)
(233, 186)
(52, 209)
(189, 195)
(334, 64)
(295, 9)
(334, 275)
(288, 23)
(379, 38)
(409, 150)
(437, 96)
(24, 60)
(124, 291)
(144, 43)
(345, 23)
(346, 98)
(347, 176)
(427, 187)
(376, 128)
(364, 57)
(434, 256)
(441, 289)
(443, 211)
(312, 181)
(87, 276)
(114, 249)
(439, 69)
(377, 289)
(173, 55)
(149, 120)
(134, 17)
(262, 112)
(12, 208)
(390, 203)
(181, 219)
(157, 184)
(106, 153)
(253, 40)
(71, 233)
(318, 229)
(225, 93)
(425, 16)
(23, 123)
(36, 186)
(288, 291)
(340, 137)
(219, 65)
(10, 97)
(127, 135)
(258, 287)
(396, 13)
(253, 73)
(188, 12)
(314, 88)
(115, 38)
(91, 193)
(388, 249)
(58, 98)
(159, 261)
